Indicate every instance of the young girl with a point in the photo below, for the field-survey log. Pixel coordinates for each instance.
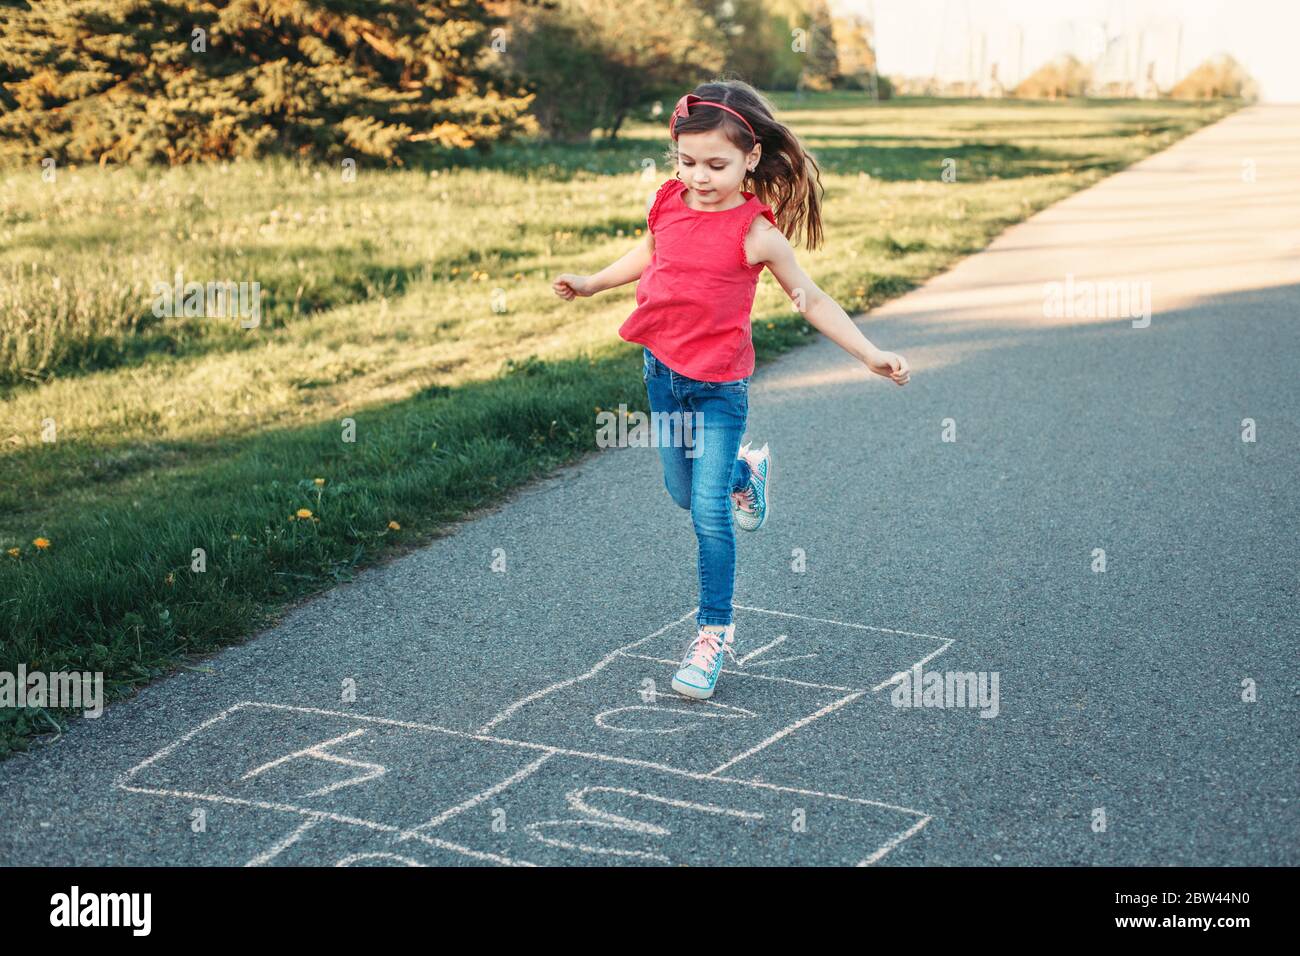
(707, 242)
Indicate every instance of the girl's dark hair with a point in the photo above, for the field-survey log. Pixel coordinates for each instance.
(786, 172)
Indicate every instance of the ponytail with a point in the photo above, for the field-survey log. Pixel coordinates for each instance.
(787, 178)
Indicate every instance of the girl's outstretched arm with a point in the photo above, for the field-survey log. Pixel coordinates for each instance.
(617, 273)
(772, 248)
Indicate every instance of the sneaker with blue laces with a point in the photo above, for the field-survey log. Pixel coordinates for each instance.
(698, 675)
(750, 505)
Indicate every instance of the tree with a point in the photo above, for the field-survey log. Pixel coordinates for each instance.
(181, 80)
(821, 61)
(1062, 77)
(591, 63)
(1217, 77)
(854, 45)
(760, 41)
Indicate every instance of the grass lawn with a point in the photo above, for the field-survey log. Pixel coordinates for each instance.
(411, 363)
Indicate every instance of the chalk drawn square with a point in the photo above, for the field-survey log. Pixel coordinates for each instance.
(303, 759)
(612, 713)
(310, 840)
(357, 789)
(565, 810)
(814, 650)
(574, 772)
(575, 811)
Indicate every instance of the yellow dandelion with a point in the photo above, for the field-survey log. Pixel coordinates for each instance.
(13, 552)
(394, 526)
(303, 513)
(41, 543)
(319, 481)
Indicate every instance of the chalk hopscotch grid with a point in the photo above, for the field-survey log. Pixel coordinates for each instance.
(398, 834)
(852, 693)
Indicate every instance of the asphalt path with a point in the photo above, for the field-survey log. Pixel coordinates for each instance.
(1060, 501)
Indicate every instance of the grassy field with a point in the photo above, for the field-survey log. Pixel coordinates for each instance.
(416, 305)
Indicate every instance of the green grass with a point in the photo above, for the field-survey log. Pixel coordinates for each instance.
(416, 303)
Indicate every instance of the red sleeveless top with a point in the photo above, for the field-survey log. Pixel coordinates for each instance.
(693, 299)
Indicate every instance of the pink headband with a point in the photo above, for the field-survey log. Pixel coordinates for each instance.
(683, 108)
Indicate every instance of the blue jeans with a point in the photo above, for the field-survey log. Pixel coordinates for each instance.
(701, 469)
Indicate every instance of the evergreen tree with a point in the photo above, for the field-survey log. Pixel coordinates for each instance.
(180, 80)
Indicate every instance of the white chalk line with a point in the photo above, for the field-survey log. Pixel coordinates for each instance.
(576, 800)
(801, 722)
(906, 834)
(921, 663)
(766, 647)
(262, 859)
(550, 751)
(782, 660)
(745, 673)
(353, 857)
(826, 620)
(322, 815)
(606, 820)
(122, 778)
(478, 798)
(746, 658)
(600, 665)
(532, 828)
(318, 752)
(697, 713)
(804, 721)
(712, 776)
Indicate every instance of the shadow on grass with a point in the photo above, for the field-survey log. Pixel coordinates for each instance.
(289, 293)
(118, 591)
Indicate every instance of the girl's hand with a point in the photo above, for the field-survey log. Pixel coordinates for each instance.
(891, 365)
(568, 285)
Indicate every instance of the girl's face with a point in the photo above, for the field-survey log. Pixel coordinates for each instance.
(711, 165)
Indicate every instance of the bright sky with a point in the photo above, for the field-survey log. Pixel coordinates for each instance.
(921, 37)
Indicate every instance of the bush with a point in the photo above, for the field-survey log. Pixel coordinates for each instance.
(1215, 79)
(179, 80)
(1062, 77)
(591, 63)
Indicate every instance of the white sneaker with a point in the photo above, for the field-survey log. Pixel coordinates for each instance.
(750, 506)
(739, 497)
(698, 675)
